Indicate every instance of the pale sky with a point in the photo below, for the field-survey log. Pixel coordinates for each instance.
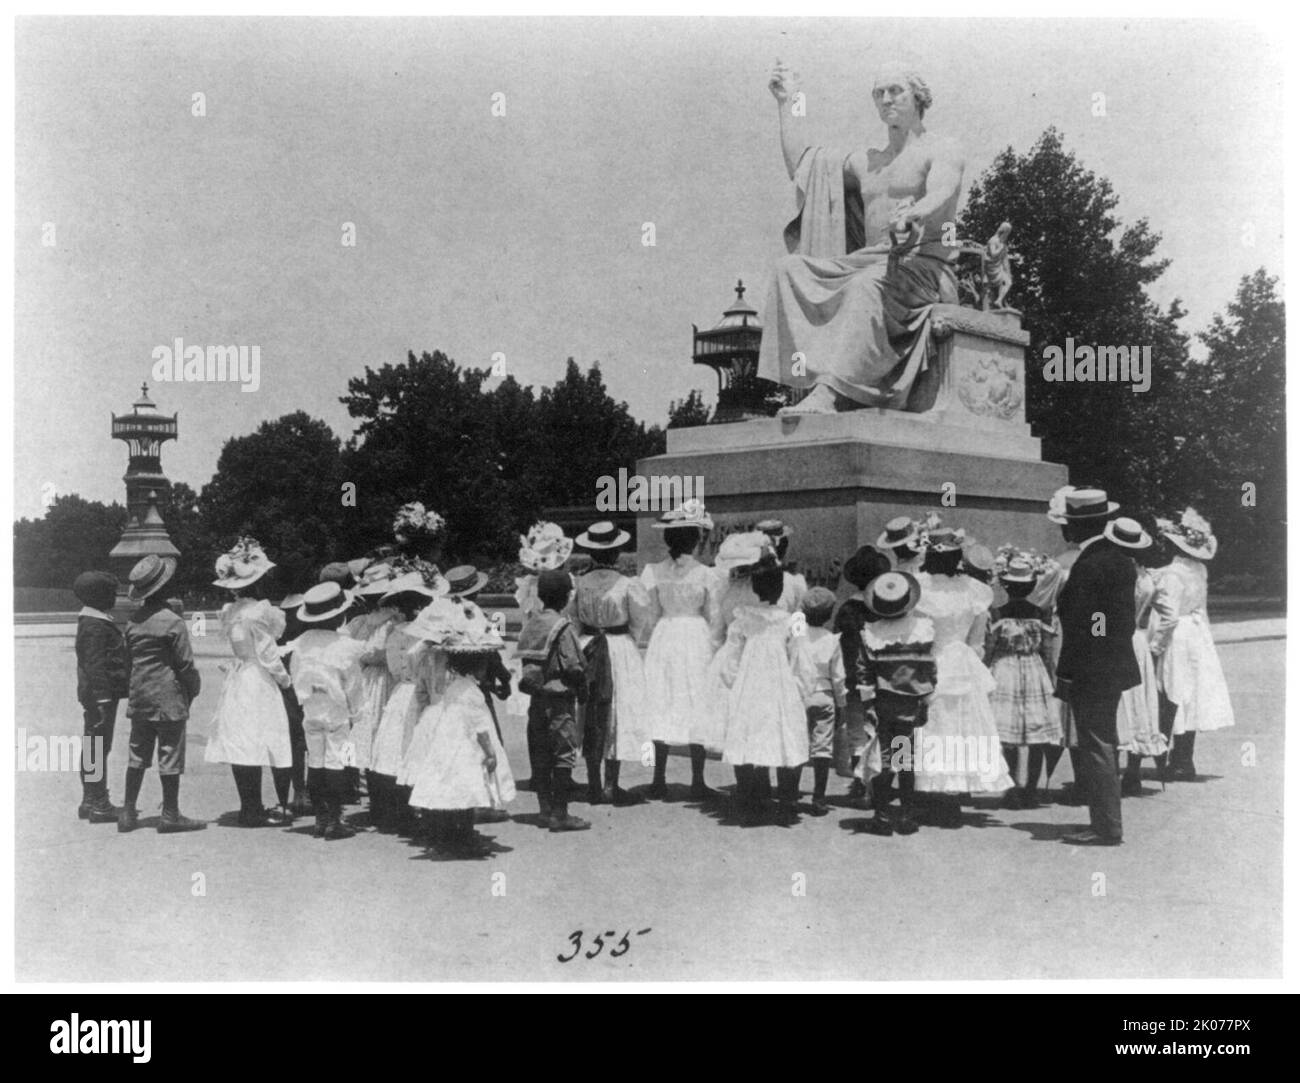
(522, 234)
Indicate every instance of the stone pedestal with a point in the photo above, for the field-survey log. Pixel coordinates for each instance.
(837, 478)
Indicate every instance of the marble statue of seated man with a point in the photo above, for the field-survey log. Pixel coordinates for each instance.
(848, 310)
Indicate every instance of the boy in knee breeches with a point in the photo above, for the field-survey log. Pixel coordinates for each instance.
(554, 675)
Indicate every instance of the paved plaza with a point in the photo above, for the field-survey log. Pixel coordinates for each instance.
(1195, 891)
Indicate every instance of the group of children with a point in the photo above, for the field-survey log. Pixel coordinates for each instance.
(927, 679)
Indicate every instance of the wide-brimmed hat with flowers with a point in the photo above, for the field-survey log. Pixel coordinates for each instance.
(416, 584)
(545, 546)
(412, 522)
(690, 513)
(1191, 533)
(939, 538)
(455, 628)
(243, 564)
(745, 552)
(1014, 564)
(376, 578)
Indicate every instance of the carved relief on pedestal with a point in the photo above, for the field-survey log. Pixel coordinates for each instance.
(991, 386)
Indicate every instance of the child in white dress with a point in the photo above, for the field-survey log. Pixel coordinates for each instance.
(1191, 676)
(326, 672)
(684, 613)
(767, 667)
(463, 766)
(960, 752)
(409, 593)
(251, 727)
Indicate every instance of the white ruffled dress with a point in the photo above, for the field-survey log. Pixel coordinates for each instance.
(1188, 666)
(250, 727)
(372, 629)
(960, 751)
(451, 774)
(764, 677)
(683, 601)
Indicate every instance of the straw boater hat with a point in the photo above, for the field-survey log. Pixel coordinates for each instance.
(1018, 570)
(464, 580)
(323, 601)
(150, 575)
(744, 551)
(1192, 534)
(1127, 533)
(899, 531)
(893, 594)
(774, 528)
(291, 601)
(544, 546)
(603, 535)
(690, 514)
(1087, 504)
(244, 564)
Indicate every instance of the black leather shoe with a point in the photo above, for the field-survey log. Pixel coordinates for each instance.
(1130, 787)
(1091, 838)
(173, 823)
(338, 830)
(819, 807)
(127, 819)
(104, 813)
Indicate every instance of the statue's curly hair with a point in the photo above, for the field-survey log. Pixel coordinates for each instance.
(920, 89)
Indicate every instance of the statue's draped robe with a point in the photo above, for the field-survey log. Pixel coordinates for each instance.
(862, 332)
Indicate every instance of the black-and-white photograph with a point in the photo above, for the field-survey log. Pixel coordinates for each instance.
(648, 500)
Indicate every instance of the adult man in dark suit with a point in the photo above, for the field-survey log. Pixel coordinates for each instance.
(1097, 613)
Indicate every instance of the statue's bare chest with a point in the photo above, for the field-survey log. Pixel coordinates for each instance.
(880, 175)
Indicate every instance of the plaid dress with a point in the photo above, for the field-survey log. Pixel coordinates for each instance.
(1023, 703)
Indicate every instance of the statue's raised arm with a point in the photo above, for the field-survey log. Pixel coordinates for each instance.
(844, 317)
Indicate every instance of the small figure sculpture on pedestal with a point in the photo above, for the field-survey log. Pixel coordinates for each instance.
(996, 266)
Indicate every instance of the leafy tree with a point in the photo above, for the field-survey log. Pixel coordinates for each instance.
(1233, 431)
(283, 485)
(689, 411)
(74, 536)
(490, 461)
(1082, 274)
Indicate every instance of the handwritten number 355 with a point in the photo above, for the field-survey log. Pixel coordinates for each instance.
(575, 938)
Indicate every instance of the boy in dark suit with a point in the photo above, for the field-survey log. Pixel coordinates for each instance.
(1097, 611)
(103, 672)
